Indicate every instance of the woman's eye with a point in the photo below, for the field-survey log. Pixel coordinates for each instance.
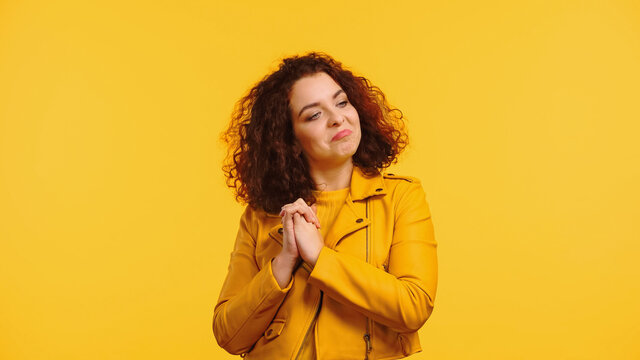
(314, 116)
(343, 103)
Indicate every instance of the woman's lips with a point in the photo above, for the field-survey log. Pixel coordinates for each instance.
(341, 134)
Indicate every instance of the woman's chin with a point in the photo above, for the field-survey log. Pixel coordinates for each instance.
(347, 150)
(343, 158)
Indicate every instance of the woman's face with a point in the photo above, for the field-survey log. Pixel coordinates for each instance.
(325, 124)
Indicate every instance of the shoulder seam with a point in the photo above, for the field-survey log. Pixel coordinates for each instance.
(401, 177)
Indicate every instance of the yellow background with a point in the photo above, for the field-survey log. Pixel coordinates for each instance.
(116, 228)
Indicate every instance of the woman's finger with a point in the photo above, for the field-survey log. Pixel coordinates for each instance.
(310, 215)
(287, 224)
(314, 208)
(303, 209)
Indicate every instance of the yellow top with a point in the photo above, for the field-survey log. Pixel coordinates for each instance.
(329, 204)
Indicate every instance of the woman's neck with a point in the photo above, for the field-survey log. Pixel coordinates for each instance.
(334, 178)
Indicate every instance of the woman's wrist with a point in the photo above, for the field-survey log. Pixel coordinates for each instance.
(282, 267)
(313, 258)
(286, 260)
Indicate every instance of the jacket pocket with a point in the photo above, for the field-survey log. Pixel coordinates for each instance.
(410, 343)
(274, 329)
(403, 343)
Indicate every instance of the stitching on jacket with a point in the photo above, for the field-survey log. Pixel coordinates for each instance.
(248, 318)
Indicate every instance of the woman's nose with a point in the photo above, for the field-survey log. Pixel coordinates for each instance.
(336, 119)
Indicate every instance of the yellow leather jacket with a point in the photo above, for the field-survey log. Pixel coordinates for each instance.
(372, 288)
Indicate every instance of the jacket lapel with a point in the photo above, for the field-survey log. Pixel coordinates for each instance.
(276, 233)
(351, 216)
(348, 220)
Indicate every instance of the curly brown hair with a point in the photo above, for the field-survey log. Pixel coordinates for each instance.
(263, 165)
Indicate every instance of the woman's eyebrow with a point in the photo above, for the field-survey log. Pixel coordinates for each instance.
(316, 103)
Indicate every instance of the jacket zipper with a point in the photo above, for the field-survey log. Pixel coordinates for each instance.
(367, 335)
(310, 328)
(367, 340)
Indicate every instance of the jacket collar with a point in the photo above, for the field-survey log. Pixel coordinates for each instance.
(363, 186)
(349, 218)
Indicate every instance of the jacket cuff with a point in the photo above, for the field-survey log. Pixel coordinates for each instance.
(325, 265)
(274, 282)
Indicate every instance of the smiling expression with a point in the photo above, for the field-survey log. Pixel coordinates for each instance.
(325, 124)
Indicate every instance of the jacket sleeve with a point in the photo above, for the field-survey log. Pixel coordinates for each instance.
(250, 296)
(403, 297)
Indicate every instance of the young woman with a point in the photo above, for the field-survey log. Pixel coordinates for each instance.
(333, 258)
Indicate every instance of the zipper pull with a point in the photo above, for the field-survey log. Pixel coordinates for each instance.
(367, 340)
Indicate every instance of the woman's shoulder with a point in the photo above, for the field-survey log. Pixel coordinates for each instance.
(253, 214)
(406, 193)
(393, 176)
(256, 222)
(402, 185)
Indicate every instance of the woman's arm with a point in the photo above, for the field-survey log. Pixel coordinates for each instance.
(250, 296)
(403, 297)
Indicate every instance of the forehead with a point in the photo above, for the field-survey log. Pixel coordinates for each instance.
(312, 88)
